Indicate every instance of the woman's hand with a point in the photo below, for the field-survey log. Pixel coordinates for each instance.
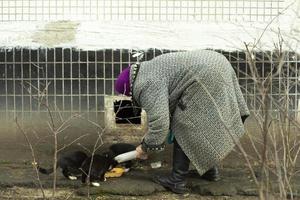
(140, 153)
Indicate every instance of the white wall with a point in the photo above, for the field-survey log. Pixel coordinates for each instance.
(142, 34)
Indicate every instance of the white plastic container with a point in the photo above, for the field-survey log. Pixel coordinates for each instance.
(131, 155)
(156, 165)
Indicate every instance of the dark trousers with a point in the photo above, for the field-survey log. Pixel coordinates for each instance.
(181, 162)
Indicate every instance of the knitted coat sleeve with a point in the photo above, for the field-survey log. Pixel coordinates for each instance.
(154, 100)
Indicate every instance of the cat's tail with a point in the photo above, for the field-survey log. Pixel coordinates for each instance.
(43, 170)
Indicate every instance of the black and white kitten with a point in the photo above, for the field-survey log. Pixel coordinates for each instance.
(105, 162)
(70, 164)
(97, 166)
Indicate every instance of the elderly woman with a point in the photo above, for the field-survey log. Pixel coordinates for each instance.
(195, 96)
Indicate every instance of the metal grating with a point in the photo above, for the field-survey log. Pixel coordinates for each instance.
(150, 10)
(287, 81)
(79, 80)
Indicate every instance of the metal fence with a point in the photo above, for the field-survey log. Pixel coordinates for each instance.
(282, 85)
(75, 81)
(79, 80)
(150, 10)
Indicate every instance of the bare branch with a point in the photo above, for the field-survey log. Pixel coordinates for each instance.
(34, 163)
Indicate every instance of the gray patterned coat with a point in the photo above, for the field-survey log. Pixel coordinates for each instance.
(196, 95)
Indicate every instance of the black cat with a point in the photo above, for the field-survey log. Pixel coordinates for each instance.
(97, 166)
(105, 162)
(70, 164)
(126, 113)
(120, 148)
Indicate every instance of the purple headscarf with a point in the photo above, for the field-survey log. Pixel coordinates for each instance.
(122, 84)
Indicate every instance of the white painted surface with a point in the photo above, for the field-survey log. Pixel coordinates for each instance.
(133, 35)
(143, 35)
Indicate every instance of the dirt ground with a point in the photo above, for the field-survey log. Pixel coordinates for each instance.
(22, 193)
(18, 193)
(17, 179)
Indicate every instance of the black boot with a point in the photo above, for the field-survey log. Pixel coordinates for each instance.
(176, 181)
(212, 174)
